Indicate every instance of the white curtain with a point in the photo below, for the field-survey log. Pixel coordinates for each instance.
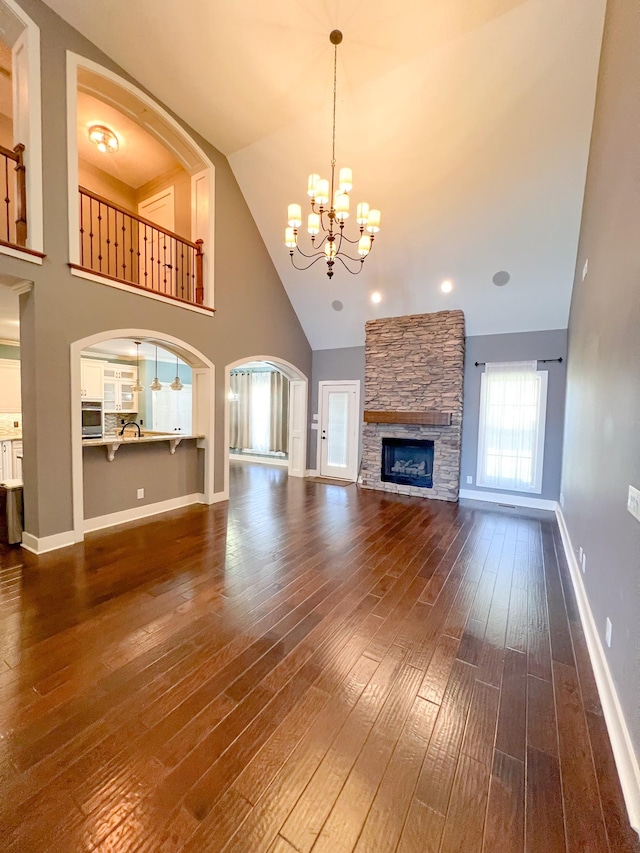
(240, 410)
(260, 410)
(259, 407)
(509, 440)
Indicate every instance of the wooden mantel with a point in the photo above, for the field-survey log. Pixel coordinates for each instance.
(425, 418)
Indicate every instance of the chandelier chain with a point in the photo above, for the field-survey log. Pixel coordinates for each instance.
(335, 89)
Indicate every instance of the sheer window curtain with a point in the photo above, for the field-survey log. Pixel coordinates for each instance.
(240, 414)
(511, 434)
(259, 416)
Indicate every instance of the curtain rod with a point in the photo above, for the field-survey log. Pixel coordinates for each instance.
(540, 360)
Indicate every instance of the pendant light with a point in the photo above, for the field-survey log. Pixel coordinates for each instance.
(136, 387)
(156, 385)
(176, 385)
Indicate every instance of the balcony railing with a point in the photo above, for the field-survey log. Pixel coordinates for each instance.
(121, 246)
(13, 225)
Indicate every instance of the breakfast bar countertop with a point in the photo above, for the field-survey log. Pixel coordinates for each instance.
(114, 442)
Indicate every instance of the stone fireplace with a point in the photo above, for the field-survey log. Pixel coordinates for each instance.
(411, 439)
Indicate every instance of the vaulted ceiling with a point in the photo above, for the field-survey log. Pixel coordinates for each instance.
(467, 122)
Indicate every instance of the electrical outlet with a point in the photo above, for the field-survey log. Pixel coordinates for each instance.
(580, 554)
(607, 632)
(469, 480)
(140, 493)
(141, 422)
(633, 502)
(585, 269)
(584, 563)
(16, 424)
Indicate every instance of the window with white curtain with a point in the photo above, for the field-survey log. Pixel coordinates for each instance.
(513, 405)
(260, 410)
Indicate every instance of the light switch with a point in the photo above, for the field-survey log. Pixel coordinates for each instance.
(633, 502)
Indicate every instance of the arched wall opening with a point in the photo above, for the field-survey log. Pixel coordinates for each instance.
(203, 373)
(298, 397)
(99, 88)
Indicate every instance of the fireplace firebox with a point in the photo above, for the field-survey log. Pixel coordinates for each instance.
(407, 462)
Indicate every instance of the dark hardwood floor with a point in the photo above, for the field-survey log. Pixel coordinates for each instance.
(308, 668)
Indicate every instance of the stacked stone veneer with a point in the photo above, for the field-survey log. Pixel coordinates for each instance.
(412, 364)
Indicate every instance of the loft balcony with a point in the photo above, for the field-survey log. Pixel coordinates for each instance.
(121, 246)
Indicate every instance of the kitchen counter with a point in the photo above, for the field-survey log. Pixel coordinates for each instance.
(114, 442)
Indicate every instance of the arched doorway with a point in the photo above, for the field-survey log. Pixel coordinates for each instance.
(298, 396)
(203, 372)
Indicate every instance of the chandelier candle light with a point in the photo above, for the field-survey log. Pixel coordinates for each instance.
(330, 210)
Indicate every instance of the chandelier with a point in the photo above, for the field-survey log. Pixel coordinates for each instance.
(330, 210)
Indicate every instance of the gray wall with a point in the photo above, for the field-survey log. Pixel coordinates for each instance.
(523, 346)
(254, 315)
(602, 431)
(345, 363)
(112, 486)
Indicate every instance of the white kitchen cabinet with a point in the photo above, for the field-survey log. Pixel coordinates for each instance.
(6, 461)
(10, 393)
(120, 371)
(92, 374)
(119, 395)
(16, 459)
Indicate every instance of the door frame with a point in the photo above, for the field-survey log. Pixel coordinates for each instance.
(354, 383)
(298, 413)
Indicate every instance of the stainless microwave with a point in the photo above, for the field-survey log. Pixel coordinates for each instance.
(91, 419)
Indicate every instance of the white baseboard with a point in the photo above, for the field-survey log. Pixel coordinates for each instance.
(47, 543)
(100, 522)
(311, 472)
(623, 752)
(261, 460)
(505, 498)
(216, 498)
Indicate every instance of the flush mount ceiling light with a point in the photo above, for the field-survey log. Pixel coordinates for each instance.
(176, 385)
(446, 286)
(330, 210)
(156, 385)
(103, 138)
(136, 385)
(376, 297)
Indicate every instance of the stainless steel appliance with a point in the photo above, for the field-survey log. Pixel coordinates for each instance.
(92, 421)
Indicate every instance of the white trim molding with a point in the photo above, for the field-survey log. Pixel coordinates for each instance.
(136, 291)
(41, 545)
(621, 744)
(506, 498)
(138, 512)
(23, 256)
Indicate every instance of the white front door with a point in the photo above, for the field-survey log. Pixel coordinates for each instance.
(338, 454)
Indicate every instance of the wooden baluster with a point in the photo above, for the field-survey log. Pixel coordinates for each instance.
(81, 230)
(91, 231)
(124, 249)
(199, 273)
(7, 199)
(100, 237)
(21, 201)
(108, 241)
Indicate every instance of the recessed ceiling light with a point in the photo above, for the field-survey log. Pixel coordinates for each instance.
(337, 305)
(104, 139)
(501, 278)
(446, 286)
(376, 297)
